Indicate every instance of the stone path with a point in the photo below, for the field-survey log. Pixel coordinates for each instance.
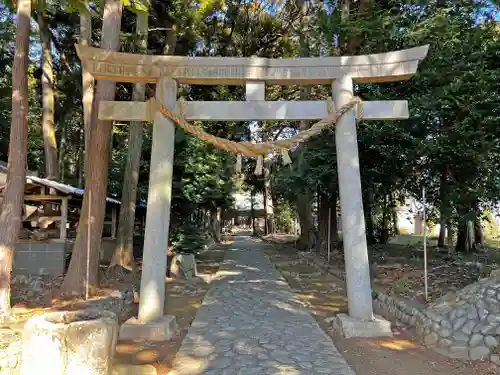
(250, 323)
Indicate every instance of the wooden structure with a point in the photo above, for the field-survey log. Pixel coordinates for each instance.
(50, 203)
(169, 71)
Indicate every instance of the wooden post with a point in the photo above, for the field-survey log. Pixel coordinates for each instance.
(152, 295)
(64, 219)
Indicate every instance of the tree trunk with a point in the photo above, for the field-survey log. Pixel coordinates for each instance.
(478, 233)
(334, 230)
(442, 231)
(304, 202)
(443, 196)
(368, 203)
(385, 234)
(252, 212)
(12, 204)
(274, 202)
(368, 207)
(81, 160)
(85, 39)
(62, 150)
(462, 243)
(351, 44)
(214, 224)
(323, 209)
(327, 210)
(465, 237)
(170, 39)
(203, 216)
(49, 134)
(124, 252)
(451, 233)
(264, 200)
(268, 200)
(94, 201)
(394, 215)
(307, 239)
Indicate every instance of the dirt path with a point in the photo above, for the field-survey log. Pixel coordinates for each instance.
(401, 355)
(324, 294)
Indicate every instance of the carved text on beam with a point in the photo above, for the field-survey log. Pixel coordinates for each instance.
(128, 67)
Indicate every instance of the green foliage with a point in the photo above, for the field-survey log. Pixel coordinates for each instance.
(491, 229)
(208, 7)
(188, 238)
(204, 172)
(401, 286)
(449, 144)
(137, 5)
(283, 215)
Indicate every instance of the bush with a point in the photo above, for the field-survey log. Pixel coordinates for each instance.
(283, 215)
(188, 238)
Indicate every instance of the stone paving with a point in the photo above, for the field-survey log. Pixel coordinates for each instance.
(250, 323)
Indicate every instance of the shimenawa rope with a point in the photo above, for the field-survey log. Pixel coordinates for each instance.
(255, 149)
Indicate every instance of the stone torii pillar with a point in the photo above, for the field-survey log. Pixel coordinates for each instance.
(359, 289)
(151, 324)
(360, 321)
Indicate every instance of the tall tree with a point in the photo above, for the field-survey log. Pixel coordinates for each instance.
(11, 205)
(47, 79)
(124, 254)
(88, 241)
(308, 235)
(267, 197)
(85, 39)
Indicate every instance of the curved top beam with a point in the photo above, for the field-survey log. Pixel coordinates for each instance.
(129, 67)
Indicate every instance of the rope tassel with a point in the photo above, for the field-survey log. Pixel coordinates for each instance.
(238, 163)
(182, 103)
(285, 156)
(259, 165)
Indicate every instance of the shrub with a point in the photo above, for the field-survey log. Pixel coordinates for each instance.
(188, 238)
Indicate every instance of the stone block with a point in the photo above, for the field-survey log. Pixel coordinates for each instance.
(444, 332)
(353, 327)
(431, 339)
(69, 342)
(160, 330)
(444, 343)
(183, 266)
(479, 352)
(475, 340)
(491, 341)
(460, 351)
(40, 258)
(495, 358)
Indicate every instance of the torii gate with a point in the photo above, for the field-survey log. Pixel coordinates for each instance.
(168, 71)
